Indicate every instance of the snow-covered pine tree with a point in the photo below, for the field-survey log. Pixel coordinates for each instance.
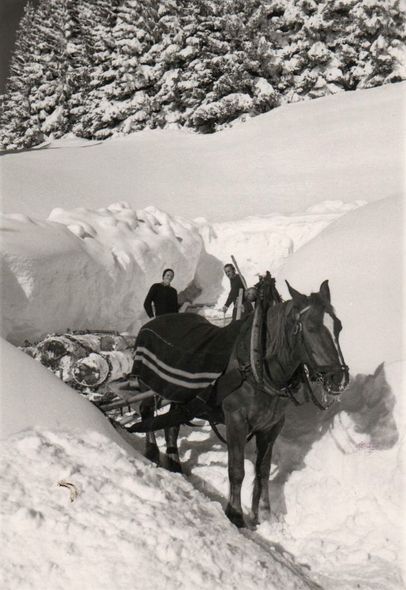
(45, 74)
(97, 20)
(333, 45)
(129, 94)
(377, 36)
(102, 67)
(78, 63)
(238, 65)
(166, 62)
(20, 124)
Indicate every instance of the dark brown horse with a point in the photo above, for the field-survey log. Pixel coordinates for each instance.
(300, 347)
(283, 348)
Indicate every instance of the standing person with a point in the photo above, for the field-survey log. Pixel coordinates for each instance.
(163, 296)
(236, 284)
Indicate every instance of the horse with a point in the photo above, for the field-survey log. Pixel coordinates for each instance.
(281, 348)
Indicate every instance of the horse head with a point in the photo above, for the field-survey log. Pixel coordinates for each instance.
(315, 329)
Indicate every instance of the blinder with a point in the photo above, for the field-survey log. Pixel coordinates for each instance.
(324, 373)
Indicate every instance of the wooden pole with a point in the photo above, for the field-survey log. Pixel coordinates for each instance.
(244, 282)
(239, 304)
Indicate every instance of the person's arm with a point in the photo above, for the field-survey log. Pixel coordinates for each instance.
(148, 302)
(236, 285)
(177, 305)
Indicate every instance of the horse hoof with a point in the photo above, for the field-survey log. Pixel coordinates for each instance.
(235, 517)
(254, 519)
(173, 465)
(152, 453)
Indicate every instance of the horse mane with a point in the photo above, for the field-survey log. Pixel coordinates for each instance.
(277, 338)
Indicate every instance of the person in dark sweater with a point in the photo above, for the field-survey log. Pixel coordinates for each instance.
(163, 296)
(236, 284)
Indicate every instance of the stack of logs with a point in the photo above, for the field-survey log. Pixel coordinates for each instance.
(86, 360)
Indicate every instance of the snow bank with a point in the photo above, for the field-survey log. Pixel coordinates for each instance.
(362, 255)
(261, 243)
(32, 397)
(85, 269)
(343, 147)
(91, 269)
(346, 465)
(132, 525)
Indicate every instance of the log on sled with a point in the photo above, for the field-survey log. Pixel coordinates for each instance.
(86, 360)
(103, 367)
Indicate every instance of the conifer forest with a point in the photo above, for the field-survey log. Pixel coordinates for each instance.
(100, 68)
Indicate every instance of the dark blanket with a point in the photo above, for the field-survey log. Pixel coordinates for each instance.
(180, 355)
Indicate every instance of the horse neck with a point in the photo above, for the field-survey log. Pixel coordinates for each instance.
(281, 357)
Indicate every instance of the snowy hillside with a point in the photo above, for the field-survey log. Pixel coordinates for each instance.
(346, 147)
(132, 525)
(325, 188)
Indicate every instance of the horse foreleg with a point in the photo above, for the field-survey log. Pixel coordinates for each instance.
(237, 430)
(172, 454)
(151, 447)
(260, 496)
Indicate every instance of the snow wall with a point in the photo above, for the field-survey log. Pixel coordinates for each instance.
(85, 269)
(339, 482)
(91, 269)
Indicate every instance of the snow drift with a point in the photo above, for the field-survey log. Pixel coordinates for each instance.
(132, 525)
(265, 242)
(362, 255)
(344, 147)
(86, 269)
(91, 269)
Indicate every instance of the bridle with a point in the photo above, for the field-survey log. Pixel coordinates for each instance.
(323, 372)
(307, 369)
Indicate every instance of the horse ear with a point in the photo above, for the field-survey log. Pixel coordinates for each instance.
(325, 291)
(296, 296)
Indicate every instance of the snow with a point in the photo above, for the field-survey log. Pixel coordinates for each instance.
(131, 525)
(337, 476)
(345, 147)
(28, 388)
(84, 269)
(362, 257)
(265, 242)
(101, 263)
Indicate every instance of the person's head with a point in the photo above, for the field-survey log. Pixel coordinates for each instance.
(167, 276)
(229, 269)
(251, 294)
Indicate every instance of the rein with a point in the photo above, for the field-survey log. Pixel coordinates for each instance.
(260, 375)
(323, 368)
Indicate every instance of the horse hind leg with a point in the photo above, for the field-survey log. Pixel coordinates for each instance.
(172, 454)
(151, 448)
(260, 496)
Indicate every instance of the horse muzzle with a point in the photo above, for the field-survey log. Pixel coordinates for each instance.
(334, 380)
